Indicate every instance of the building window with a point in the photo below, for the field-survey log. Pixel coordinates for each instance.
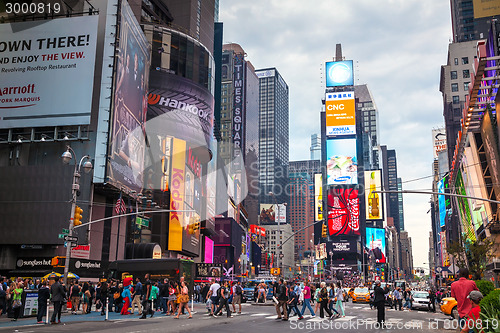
(466, 73)
(466, 86)
(456, 61)
(453, 75)
(454, 87)
(456, 100)
(465, 60)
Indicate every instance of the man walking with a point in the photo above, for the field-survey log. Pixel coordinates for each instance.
(379, 302)
(212, 294)
(75, 297)
(237, 292)
(43, 296)
(281, 295)
(224, 292)
(398, 299)
(58, 295)
(136, 300)
(307, 301)
(146, 293)
(460, 290)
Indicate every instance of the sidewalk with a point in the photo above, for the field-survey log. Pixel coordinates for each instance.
(67, 317)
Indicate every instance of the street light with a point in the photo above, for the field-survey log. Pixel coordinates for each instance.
(66, 157)
(279, 231)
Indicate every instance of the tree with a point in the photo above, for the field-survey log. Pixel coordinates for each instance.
(472, 254)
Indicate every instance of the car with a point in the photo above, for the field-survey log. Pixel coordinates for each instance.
(449, 307)
(421, 300)
(361, 294)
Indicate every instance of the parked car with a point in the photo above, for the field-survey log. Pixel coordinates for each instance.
(361, 294)
(449, 307)
(421, 300)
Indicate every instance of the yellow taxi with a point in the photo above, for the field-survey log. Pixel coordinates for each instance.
(361, 294)
(449, 307)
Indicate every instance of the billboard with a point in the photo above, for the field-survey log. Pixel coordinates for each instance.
(491, 149)
(342, 162)
(318, 197)
(343, 212)
(373, 201)
(442, 203)
(270, 213)
(340, 113)
(438, 141)
(47, 70)
(375, 243)
(176, 220)
(339, 73)
(464, 208)
(127, 140)
(239, 103)
(342, 246)
(209, 251)
(485, 8)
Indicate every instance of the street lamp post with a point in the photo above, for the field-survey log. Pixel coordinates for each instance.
(75, 187)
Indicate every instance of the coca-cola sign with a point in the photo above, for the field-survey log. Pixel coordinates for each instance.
(343, 212)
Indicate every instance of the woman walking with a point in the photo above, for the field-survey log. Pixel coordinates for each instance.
(323, 301)
(183, 300)
(17, 300)
(317, 289)
(339, 293)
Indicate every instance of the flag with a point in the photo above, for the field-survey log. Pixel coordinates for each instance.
(120, 205)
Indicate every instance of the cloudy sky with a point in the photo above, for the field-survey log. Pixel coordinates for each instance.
(397, 46)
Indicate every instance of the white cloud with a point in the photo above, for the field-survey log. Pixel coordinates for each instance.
(398, 47)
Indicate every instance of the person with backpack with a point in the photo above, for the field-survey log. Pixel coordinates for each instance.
(237, 292)
(224, 292)
(323, 301)
(293, 301)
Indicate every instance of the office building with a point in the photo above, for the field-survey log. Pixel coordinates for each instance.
(367, 110)
(471, 19)
(315, 148)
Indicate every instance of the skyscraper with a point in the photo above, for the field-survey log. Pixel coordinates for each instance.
(471, 19)
(315, 147)
(273, 135)
(368, 112)
(390, 181)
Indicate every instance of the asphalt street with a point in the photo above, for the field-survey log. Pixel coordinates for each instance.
(254, 318)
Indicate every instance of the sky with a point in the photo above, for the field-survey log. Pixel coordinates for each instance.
(398, 47)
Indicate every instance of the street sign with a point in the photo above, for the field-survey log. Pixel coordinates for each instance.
(65, 231)
(70, 238)
(141, 221)
(61, 236)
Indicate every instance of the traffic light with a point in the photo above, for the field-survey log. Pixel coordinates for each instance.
(191, 229)
(196, 226)
(323, 230)
(78, 216)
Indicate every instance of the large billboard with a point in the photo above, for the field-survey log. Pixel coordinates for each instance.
(177, 221)
(127, 141)
(485, 8)
(438, 141)
(464, 208)
(373, 201)
(343, 212)
(47, 72)
(339, 73)
(318, 197)
(340, 113)
(375, 243)
(239, 105)
(270, 213)
(341, 162)
(442, 203)
(491, 149)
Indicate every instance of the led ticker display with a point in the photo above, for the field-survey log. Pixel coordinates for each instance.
(343, 212)
(339, 73)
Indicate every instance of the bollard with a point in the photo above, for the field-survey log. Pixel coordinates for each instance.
(107, 309)
(192, 303)
(47, 312)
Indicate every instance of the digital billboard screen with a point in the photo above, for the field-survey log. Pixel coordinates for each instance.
(47, 72)
(342, 162)
(339, 73)
(127, 140)
(373, 201)
(343, 212)
(375, 243)
(442, 204)
(340, 113)
(318, 197)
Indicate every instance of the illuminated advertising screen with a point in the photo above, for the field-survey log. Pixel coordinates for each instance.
(318, 197)
(375, 243)
(342, 162)
(442, 204)
(491, 148)
(340, 113)
(373, 201)
(209, 251)
(464, 208)
(270, 213)
(339, 73)
(127, 141)
(343, 212)
(47, 72)
(176, 220)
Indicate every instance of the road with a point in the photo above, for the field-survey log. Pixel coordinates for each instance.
(359, 318)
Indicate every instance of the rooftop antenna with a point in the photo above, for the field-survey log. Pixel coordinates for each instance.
(338, 52)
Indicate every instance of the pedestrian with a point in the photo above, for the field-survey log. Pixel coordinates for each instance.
(460, 290)
(146, 293)
(282, 297)
(331, 300)
(153, 296)
(3, 297)
(432, 300)
(204, 292)
(213, 295)
(91, 297)
(307, 301)
(164, 295)
(126, 295)
(197, 291)
(339, 294)
(184, 300)
(379, 302)
(57, 296)
(43, 296)
(408, 299)
(473, 321)
(104, 296)
(113, 294)
(85, 298)
(223, 292)
(323, 301)
(293, 301)
(17, 302)
(137, 294)
(398, 299)
(74, 296)
(237, 293)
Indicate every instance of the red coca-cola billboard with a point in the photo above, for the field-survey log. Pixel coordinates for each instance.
(343, 212)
